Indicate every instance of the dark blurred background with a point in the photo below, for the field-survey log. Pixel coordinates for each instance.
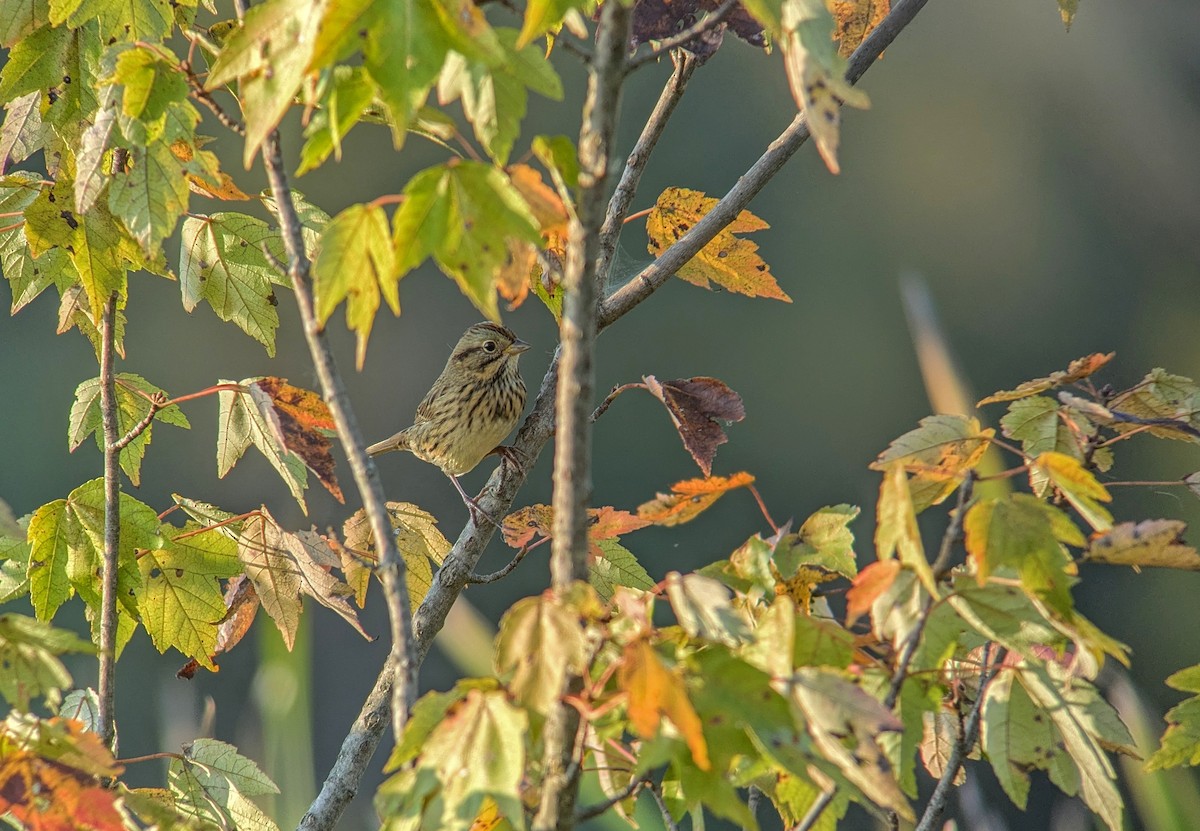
(1045, 184)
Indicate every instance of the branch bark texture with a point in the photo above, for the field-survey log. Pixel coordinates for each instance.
(106, 683)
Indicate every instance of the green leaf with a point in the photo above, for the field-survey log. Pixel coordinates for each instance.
(937, 453)
(1181, 741)
(132, 408)
(28, 653)
(1040, 424)
(269, 54)
(475, 753)
(151, 83)
(18, 20)
(824, 540)
(151, 197)
(356, 261)
(1086, 726)
(1015, 532)
(221, 260)
(74, 96)
(559, 156)
(540, 642)
(542, 16)
(242, 424)
(617, 567)
(703, 608)
(1161, 395)
(206, 784)
(462, 214)
(1017, 736)
(1078, 485)
(494, 97)
(91, 175)
(221, 759)
(182, 602)
(345, 93)
(147, 20)
(35, 63)
(21, 135)
(49, 586)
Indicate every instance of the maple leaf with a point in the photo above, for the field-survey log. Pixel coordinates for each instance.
(521, 527)
(729, 261)
(514, 278)
(689, 498)
(695, 405)
(417, 538)
(1150, 543)
(1077, 370)
(656, 692)
(867, 586)
(300, 420)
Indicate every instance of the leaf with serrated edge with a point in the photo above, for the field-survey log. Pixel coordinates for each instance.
(1078, 485)
(689, 498)
(937, 453)
(242, 424)
(703, 608)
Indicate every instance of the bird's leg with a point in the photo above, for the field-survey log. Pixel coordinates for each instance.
(511, 455)
(472, 505)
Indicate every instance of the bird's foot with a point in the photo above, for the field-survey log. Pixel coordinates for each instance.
(511, 455)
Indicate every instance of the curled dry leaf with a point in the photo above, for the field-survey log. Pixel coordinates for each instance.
(696, 406)
(689, 498)
(1153, 543)
(300, 421)
(1078, 369)
(241, 605)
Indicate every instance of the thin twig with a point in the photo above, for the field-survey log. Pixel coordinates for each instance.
(106, 684)
(954, 529)
(611, 397)
(478, 579)
(149, 757)
(958, 754)
(205, 97)
(762, 506)
(401, 683)
(574, 47)
(593, 811)
(631, 176)
(704, 24)
(157, 402)
(655, 792)
(646, 282)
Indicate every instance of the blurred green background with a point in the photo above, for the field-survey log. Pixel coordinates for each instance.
(1045, 184)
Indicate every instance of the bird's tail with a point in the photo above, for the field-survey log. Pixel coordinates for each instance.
(396, 442)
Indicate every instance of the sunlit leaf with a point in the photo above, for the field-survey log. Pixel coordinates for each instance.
(854, 20)
(1078, 485)
(703, 608)
(1152, 543)
(896, 531)
(937, 453)
(1181, 741)
(241, 423)
(540, 642)
(729, 261)
(1164, 397)
(300, 421)
(1077, 370)
(689, 498)
(870, 583)
(656, 692)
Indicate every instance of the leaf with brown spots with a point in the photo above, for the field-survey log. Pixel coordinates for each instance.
(1076, 371)
(697, 405)
(300, 421)
(853, 20)
(1150, 543)
(689, 498)
(728, 261)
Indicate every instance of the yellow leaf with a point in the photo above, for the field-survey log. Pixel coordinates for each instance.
(654, 691)
(896, 531)
(1155, 543)
(1078, 369)
(855, 19)
(1078, 485)
(937, 453)
(729, 261)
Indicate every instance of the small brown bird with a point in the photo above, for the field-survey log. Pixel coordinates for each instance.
(471, 407)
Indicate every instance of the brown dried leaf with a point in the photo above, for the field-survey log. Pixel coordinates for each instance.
(660, 19)
(224, 189)
(689, 498)
(729, 261)
(695, 405)
(241, 605)
(855, 19)
(300, 419)
(1078, 369)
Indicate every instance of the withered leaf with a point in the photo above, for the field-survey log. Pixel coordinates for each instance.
(514, 278)
(521, 527)
(853, 20)
(661, 19)
(696, 405)
(300, 420)
(241, 604)
(1078, 369)
(1150, 543)
(729, 261)
(689, 498)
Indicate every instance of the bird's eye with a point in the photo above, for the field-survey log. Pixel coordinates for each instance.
(489, 346)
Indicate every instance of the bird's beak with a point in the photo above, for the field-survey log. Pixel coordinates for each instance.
(517, 347)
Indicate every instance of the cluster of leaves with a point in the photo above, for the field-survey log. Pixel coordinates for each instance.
(754, 682)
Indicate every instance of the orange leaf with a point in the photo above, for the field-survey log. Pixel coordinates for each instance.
(867, 586)
(513, 278)
(654, 691)
(224, 189)
(854, 20)
(520, 527)
(690, 498)
(729, 261)
(300, 419)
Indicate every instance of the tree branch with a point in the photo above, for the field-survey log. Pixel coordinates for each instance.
(749, 184)
(958, 754)
(106, 684)
(400, 681)
(816, 809)
(573, 441)
(631, 176)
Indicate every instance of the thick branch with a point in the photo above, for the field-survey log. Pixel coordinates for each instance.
(106, 685)
(327, 807)
(631, 176)
(754, 180)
